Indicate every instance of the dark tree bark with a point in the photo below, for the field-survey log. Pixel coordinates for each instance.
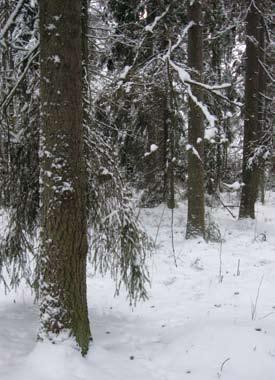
(270, 61)
(263, 127)
(195, 218)
(64, 227)
(171, 126)
(251, 167)
(155, 164)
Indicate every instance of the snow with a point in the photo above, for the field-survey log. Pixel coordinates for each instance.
(125, 71)
(192, 327)
(56, 59)
(194, 150)
(50, 27)
(211, 119)
(153, 148)
(11, 19)
(234, 186)
(66, 186)
(187, 80)
(179, 40)
(150, 28)
(210, 134)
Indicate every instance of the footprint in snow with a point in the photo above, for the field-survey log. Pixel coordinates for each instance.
(197, 264)
(170, 281)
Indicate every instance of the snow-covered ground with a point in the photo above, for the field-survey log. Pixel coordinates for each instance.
(193, 327)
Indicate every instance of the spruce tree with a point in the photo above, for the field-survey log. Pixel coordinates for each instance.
(195, 218)
(63, 304)
(251, 168)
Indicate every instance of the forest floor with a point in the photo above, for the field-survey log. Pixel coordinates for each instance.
(192, 327)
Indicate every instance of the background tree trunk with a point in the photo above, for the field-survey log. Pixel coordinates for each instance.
(64, 226)
(251, 167)
(195, 218)
(263, 127)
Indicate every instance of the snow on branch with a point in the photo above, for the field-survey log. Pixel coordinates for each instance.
(32, 55)
(11, 20)
(125, 71)
(194, 151)
(266, 71)
(256, 7)
(179, 40)
(209, 117)
(186, 79)
(150, 28)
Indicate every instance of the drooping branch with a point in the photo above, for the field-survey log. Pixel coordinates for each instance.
(32, 55)
(10, 20)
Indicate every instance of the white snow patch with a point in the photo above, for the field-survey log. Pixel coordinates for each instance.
(190, 326)
(234, 186)
(50, 27)
(210, 134)
(153, 147)
(125, 71)
(56, 59)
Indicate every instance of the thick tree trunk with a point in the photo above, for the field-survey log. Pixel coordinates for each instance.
(195, 218)
(155, 163)
(251, 168)
(63, 179)
(271, 117)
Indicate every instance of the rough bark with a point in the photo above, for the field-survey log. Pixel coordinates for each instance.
(63, 226)
(155, 164)
(270, 90)
(195, 218)
(171, 126)
(251, 168)
(264, 135)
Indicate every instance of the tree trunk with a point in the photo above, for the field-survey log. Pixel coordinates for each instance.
(195, 218)
(63, 179)
(155, 163)
(171, 126)
(251, 169)
(264, 132)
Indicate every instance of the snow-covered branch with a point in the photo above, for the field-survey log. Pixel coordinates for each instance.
(179, 40)
(149, 28)
(211, 119)
(11, 19)
(32, 55)
(186, 79)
